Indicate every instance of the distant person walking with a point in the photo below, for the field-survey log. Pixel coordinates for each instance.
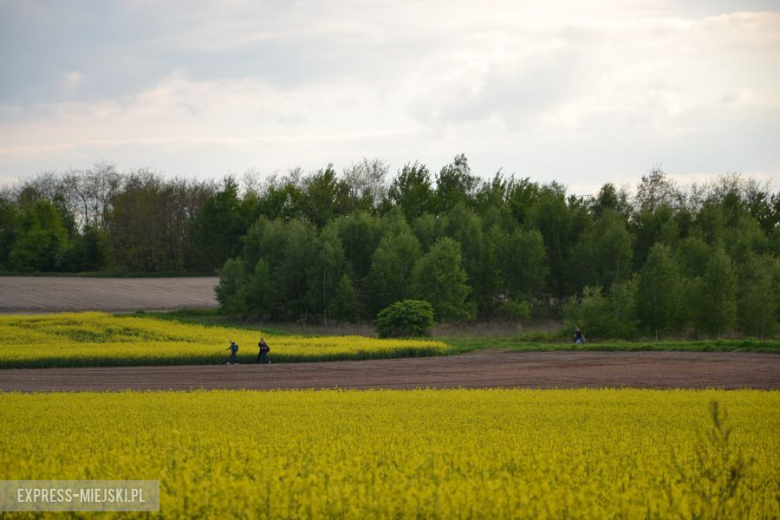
(262, 356)
(579, 337)
(233, 348)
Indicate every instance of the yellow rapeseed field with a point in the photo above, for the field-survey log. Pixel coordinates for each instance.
(100, 339)
(411, 454)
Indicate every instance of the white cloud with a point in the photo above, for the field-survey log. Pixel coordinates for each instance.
(560, 90)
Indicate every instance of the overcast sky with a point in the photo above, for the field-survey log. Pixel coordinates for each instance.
(579, 92)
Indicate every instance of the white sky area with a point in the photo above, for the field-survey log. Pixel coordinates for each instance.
(579, 92)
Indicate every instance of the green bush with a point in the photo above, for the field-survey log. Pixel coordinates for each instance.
(405, 319)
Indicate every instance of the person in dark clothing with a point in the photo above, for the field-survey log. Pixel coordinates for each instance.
(233, 348)
(262, 356)
(579, 337)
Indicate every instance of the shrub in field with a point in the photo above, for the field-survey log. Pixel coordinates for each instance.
(404, 319)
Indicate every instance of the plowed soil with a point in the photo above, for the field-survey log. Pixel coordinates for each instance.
(34, 294)
(482, 369)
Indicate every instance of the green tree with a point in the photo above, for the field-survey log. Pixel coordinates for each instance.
(346, 304)
(324, 197)
(463, 225)
(522, 262)
(550, 216)
(258, 291)
(615, 251)
(758, 304)
(9, 217)
(744, 237)
(412, 191)
(426, 230)
(455, 185)
(692, 255)
(440, 279)
(325, 271)
(390, 277)
(658, 293)
(622, 305)
(295, 272)
(229, 289)
(219, 227)
(360, 234)
(40, 237)
(718, 311)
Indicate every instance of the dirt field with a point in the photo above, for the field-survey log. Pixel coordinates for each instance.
(33, 294)
(474, 370)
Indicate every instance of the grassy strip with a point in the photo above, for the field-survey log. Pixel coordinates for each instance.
(199, 359)
(521, 344)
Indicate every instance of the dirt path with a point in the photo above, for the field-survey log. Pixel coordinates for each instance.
(41, 294)
(475, 370)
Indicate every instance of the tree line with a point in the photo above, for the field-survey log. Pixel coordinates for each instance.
(343, 246)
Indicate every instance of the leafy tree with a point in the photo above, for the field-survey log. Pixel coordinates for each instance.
(710, 223)
(493, 194)
(296, 274)
(359, 234)
(232, 278)
(653, 227)
(521, 196)
(346, 304)
(404, 319)
(622, 304)
(390, 278)
(615, 251)
(324, 197)
(455, 184)
(40, 237)
(325, 271)
(718, 307)
(258, 291)
(412, 191)
(220, 226)
(658, 293)
(744, 237)
(439, 278)
(583, 268)
(758, 304)
(463, 225)
(655, 190)
(426, 230)
(692, 255)
(522, 263)
(550, 216)
(85, 252)
(365, 182)
(610, 199)
(9, 217)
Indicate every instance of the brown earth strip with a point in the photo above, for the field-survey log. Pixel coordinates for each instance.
(41, 294)
(483, 369)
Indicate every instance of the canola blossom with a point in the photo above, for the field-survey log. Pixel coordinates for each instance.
(411, 454)
(100, 339)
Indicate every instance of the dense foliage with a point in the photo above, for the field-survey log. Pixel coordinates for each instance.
(447, 454)
(405, 319)
(699, 259)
